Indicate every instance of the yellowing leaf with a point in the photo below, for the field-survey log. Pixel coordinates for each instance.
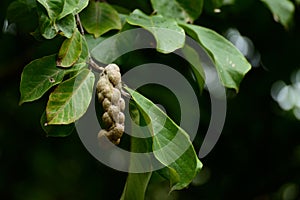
(70, 50)
(70, 100)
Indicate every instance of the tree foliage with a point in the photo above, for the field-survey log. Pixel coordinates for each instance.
(67, 76)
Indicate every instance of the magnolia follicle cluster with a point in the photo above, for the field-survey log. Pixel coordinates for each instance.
(109, 96)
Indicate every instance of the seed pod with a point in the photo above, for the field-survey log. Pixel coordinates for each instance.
(116, 131)
(102, 83)
(112, 67)
(106, 104)
(107, 91)
(113, 112)
(113, 74)
(114, 77)
(109, 95)
(100, 97)
(121, 118)
(116, 95)
(114, 139)
(121, 104)
(119, 127)
(102, 133)
(107, 120)
(119, 86)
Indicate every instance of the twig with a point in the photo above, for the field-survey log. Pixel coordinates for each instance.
(79, 24)
(124, 93)
(94, 65)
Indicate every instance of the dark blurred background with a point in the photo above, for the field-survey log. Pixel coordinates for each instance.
(257, 156)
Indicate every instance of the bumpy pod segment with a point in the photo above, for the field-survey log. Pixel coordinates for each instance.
(109, 96)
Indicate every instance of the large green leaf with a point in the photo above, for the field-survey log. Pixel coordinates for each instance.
(58, 23)
(70, 50)
(107, 50)
(229, 61)
(66, 25)
(171, 144)
(182, 10)
(99, 18)
(92, 41)
(50, 28)
(80, 5)
(46, 26)
(82, 61)
(56, 130)
(70, 100)
(58, 9)
(167, 33)
(136, 183)
(283, 10)
(193, 57)
(38, 77)
(72, 7)
(53, 7)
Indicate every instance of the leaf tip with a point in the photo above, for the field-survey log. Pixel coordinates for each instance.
(20, 102)
(59, 62)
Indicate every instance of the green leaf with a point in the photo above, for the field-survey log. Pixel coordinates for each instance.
(136, 185)
(167, 33)
(70, 100)
(58, 9)
(80, 5)
(23, 13)
(38, 77)
(107, 50)
(50, 27)
(229, 61)
(46, 26)
(56, 130)
(82, 61)
(171, 144)
(72, 7)
(53, 7)
(99, 18)
(66, 25)
(70, 50)
(92, 41)
(181, 10)
(184, 170)
(192, 56)
(84, 56)
(283, 11)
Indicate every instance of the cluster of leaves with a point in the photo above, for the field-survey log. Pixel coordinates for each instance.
(70, 80)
